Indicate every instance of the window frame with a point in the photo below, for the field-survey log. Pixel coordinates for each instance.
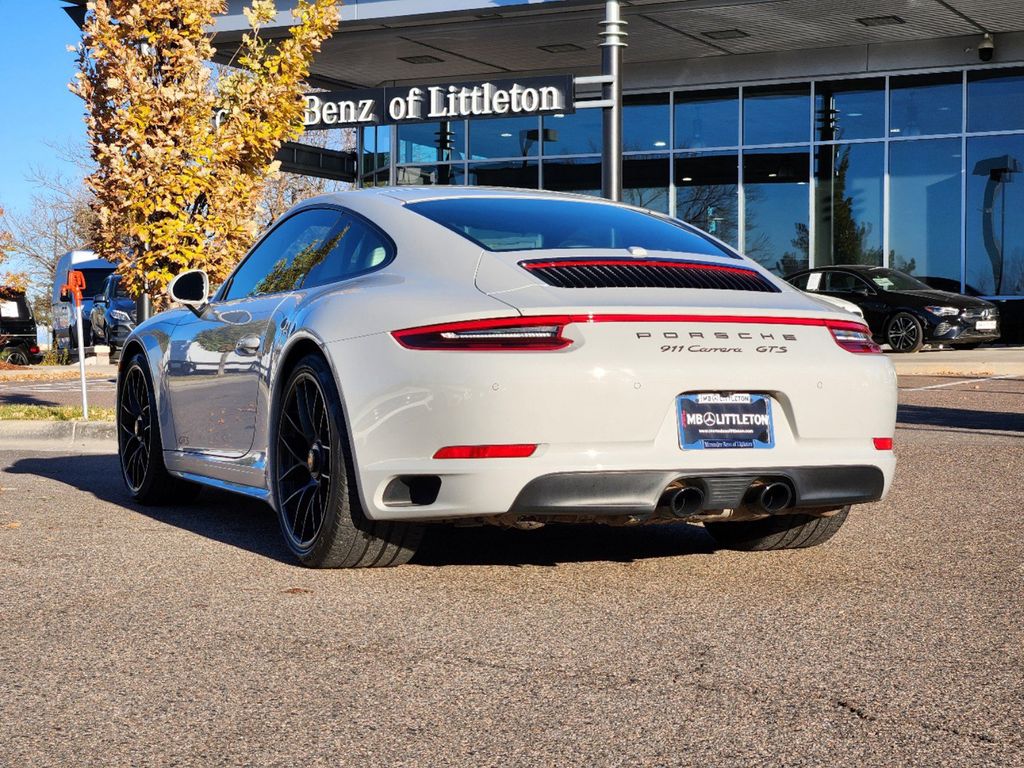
(389, 243)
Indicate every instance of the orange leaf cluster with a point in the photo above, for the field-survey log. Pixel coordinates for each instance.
(182, 160)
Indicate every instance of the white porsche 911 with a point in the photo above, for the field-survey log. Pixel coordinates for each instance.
(388, 358)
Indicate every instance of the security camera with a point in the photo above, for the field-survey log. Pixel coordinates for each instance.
(986, 48)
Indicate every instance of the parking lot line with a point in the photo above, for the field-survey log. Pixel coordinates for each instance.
(962, 381)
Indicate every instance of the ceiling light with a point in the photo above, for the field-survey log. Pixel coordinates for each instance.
(424, 59)
(880, 21)
(687, 178)
(725, 34)
(558, 115)
(560, 48)
(660, 144)
(506, 135)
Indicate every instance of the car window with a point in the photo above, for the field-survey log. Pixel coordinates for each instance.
(526, 223)
(802, 281)
(283, 258)
(892, 280)
(842, 282)
(355, 246)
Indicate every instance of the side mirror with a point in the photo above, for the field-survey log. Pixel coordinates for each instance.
(192, 289)
(99, 298)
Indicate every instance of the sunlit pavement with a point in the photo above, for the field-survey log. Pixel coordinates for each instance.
(187, 636)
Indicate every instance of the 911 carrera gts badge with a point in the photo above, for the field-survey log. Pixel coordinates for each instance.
(769, 347)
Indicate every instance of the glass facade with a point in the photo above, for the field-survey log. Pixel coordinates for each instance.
(920, 172)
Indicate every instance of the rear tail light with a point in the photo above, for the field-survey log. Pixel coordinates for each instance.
(853, 337)
(33, 350)
(546, 332)
(516, 451)
(509, 333)
(883, 443)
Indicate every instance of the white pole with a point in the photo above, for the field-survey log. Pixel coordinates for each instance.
(81, 364)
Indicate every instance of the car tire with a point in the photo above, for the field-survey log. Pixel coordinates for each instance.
(15, 356)
(904, 333)
(777, 532)
(139, 447)
(320, 512)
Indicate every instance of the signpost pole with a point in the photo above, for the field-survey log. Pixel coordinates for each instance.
(611, 92)
(81, 356)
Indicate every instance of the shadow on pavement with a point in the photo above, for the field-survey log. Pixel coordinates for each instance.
(244, 523)
(557, 544)
(252, 525)
(960, 418)
(26, 398)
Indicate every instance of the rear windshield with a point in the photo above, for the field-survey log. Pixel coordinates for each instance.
(527, 224)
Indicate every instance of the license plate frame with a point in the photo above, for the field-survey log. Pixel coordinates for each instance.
(740, 420)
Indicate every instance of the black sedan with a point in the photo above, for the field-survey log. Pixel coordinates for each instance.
(113, 314)
(902, 311)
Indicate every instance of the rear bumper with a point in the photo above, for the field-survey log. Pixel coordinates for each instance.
(638, 492)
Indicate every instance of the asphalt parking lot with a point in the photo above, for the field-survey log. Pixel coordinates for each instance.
(187, 636)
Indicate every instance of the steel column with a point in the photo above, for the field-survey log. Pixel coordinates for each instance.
(611, 67)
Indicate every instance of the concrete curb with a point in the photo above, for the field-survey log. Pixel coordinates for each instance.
(74, 436)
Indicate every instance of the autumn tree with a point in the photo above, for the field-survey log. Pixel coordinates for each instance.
(183, 157)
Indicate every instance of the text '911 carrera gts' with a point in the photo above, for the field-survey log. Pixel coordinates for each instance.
(390, 358)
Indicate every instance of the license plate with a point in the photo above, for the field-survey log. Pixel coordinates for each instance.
(985, 325)
(709, 420)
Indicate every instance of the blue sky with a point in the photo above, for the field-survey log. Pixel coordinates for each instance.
(36, 106)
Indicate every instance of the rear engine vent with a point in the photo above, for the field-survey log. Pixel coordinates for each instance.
(647, 273)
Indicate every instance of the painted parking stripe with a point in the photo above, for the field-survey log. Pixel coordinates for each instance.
(962, 381)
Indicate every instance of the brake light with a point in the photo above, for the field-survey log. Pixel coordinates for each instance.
(516, 451)
(882, 443)
(853, 337)
(33, 350)
(508, 333)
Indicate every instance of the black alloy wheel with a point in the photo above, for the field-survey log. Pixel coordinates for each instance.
(314, 483)
(139, 446)
(135, 428)
(304, 461)
(904, 333)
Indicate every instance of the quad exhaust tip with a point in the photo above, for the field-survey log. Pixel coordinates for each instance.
(686, 502)
(775, 497)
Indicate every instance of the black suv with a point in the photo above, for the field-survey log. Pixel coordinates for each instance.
(17, 329)
(902, 311)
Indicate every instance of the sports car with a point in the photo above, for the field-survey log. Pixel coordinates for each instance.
(387, 359)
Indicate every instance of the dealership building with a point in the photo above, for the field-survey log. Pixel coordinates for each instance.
(803, 132)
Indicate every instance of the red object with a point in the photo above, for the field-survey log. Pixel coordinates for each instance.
(883, 443)
(75, 285)
(510, 333)
(517, 451)
(33, 350)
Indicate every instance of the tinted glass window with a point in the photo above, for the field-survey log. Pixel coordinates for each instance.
(801, 281)
(282, 259)
(504, 137)
(645, 123)
(925, 104)
(95, 279)
(707, 119)
(511, 224)
(852, 109)
(575, 134)
(848, 214)
(777, 114)
(891, 280)
(924, 207)
(429, 175)
(995, 227)
(355, 247)
(515, 173)
(706, 192)
(432, 142)
(995, 100)
(775, 192)
(842, 282)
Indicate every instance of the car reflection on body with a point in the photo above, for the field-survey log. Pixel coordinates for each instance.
(388, 358)
(902, 311)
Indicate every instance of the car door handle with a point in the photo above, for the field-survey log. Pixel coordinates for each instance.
(248, 345)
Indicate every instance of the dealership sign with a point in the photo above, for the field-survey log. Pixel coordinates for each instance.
(452, 101)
